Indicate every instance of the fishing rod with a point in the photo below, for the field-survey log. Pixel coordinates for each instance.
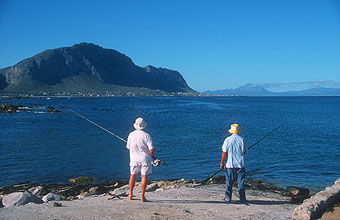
(264, 137)
(219, 170)
(155, 163)
(212, 175)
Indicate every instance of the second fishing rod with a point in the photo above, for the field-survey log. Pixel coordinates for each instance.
(251, 146)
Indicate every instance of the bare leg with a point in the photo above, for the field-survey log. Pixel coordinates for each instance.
(132, 183)
(143, 186)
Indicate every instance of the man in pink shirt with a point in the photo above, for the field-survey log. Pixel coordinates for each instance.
(139, 144)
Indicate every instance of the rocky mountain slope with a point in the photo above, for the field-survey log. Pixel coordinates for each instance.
(88, 68)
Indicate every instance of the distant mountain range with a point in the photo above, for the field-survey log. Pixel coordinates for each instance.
(88, 68)
(256, 90)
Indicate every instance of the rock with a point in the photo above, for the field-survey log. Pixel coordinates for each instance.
(122, 191)
(193, 185)
(71, 198)
(297, 191)
(36, 191)
(183, 180)
(314, 207)
(69, 190)
(162, 184)
(83, 195)
(57, 204)
(5, 190)
(22, 187)
(8, 108)
(298, 194)
(187, 210)
(1, 201)
(182, 183)
(151, 187)
(51, 109)
(82, 179)
(19, 198)
(219, 179)
(97, 190)
(51, 197)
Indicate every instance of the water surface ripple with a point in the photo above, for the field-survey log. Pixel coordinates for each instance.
(187, 131)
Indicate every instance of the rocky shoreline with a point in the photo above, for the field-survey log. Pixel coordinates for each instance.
(12, 108)
(315, 206)
(167, 199)
(39, 193)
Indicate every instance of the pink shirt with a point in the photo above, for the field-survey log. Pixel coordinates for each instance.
(139, 143)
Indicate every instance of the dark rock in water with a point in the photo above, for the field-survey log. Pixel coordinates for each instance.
(51, 109)
(298, 194)
(82, 179)
(9, 108)
(298, 191)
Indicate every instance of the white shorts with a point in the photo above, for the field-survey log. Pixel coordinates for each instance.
(143, 169)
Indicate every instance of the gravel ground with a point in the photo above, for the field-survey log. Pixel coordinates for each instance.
(201, 202)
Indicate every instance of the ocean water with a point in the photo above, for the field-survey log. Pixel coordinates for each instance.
(187, 132)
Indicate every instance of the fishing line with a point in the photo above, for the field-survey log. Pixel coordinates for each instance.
(62, 106)
(155, 163)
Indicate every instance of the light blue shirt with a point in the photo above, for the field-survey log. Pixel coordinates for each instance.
(235, 147)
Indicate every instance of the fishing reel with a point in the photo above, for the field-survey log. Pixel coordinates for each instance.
(156, 163)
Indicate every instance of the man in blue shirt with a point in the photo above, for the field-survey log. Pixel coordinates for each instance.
(234, 150)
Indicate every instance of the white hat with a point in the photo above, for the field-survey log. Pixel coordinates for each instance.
(234, 129)
(139, 124)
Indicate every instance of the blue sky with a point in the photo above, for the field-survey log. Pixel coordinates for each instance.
(280, 44)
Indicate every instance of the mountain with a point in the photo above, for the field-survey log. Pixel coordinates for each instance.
(256, 90)
(246, 90)
(314, 92)
(88, 68)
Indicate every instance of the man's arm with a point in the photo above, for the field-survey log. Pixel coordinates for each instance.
(245, 148)
(152, 151)
(224, 154)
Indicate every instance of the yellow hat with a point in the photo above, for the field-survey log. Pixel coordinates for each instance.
(234, 129)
